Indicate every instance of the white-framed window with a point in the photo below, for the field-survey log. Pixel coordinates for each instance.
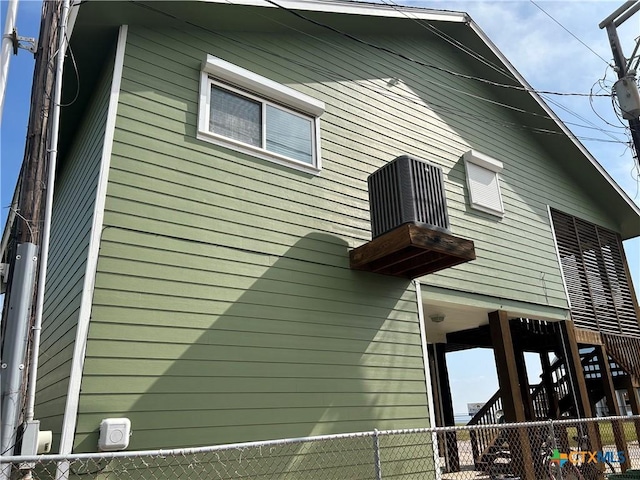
(252, 114)
(483, 182)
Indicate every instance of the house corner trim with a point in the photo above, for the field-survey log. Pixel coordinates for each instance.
(427, 377)
(79, 349)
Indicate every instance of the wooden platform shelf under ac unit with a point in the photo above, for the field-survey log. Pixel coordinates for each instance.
(411, 251)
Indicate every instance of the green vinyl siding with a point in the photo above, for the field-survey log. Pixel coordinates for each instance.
(73, 208)
(202, 343)
(516, 256)
(224, 307)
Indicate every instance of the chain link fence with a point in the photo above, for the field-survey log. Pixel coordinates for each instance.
(603, 448)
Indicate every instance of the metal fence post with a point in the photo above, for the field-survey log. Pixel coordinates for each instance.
(376, 454)
(553, 444)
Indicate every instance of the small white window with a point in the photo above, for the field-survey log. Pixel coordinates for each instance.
(252, 114)
(483, 182)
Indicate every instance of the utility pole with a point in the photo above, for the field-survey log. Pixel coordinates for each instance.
(626, 86)
(23, 245)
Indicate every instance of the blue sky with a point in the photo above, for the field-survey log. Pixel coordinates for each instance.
(542, 51)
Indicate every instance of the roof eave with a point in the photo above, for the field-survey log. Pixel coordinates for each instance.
(629, 231)
(355, 8)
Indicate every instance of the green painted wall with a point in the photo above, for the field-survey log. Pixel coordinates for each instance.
(73, 207)
(368, 123)
(224, 307)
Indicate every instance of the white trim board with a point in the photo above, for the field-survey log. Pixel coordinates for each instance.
(474, 26)
(427, 378)
(82, 330)
(353, 8)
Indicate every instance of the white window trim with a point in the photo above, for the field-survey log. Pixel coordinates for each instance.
(490, 164)
(216, 71)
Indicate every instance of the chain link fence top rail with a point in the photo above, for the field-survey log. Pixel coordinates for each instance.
(602, 448)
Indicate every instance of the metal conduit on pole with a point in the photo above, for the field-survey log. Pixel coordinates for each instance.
(46, 231)
(40, 163)
(14, 352)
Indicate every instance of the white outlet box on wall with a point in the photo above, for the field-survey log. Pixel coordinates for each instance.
(114, 434)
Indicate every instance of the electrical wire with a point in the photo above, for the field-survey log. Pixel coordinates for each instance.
(26, 222)
(445, 86)
(421, 63)
(75, 68)
(73, 60)
(568, 31)
(452, 41)
(591, 126)
(487, 62)
(600, 83)
(633, 55)
(417, 101)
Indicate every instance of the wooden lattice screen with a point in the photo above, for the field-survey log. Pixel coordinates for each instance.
(625, 351)
(596, 276)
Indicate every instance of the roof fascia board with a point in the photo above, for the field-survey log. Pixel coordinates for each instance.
(73, 15)
(555, 118)
(353, 8)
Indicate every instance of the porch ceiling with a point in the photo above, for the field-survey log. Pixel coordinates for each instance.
(467, 324)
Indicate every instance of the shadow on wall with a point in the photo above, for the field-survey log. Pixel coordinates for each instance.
(302, 345)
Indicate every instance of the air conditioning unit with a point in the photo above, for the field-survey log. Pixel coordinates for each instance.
(407, 190)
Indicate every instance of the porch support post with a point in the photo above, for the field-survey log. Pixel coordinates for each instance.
(612, 404)
(634, 400)
(452, 460)
(574, 366)
(510, 392)
(435, 385)
(579, 388)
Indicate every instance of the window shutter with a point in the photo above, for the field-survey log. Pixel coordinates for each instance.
(595, 275)
(483, 182)
(483, 187)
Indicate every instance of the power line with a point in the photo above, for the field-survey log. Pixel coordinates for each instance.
(441, 108)
(568, 31)
(421, 63)
(498, 69)
(416, 101)
(452, 41)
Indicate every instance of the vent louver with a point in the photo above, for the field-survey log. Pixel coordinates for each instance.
(407, 190)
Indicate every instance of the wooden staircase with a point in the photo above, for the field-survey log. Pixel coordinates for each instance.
(490, 446)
